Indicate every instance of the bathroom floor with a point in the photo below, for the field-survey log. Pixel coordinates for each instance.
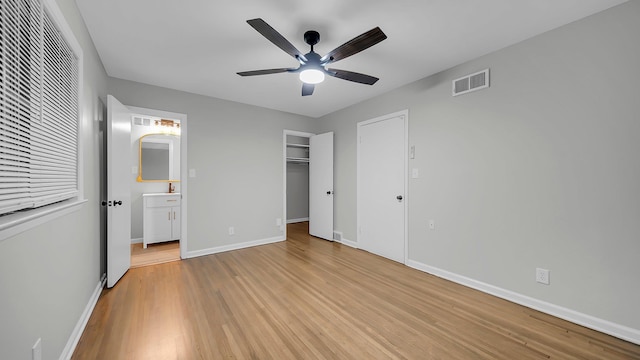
(154, 253)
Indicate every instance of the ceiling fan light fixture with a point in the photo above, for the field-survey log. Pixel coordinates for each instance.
(312, 76)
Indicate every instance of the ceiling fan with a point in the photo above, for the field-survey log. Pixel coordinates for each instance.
(312, 67)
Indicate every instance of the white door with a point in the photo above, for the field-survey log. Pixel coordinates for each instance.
(321, 186)
(381, 186)
(118, 190)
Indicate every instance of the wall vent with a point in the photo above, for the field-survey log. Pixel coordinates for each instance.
(337, 236)
(469, 83)
(139, 120)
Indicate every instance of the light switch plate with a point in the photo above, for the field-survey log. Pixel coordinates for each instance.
(192, 173)
(415, 173)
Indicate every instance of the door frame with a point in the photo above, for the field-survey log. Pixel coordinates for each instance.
(404, 114)
(286, 133)
(184, 171)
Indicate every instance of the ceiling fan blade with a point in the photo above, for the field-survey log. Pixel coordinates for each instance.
(263, 72)
(272, 35)
(353, 76)
(307, 89)
(354, 46)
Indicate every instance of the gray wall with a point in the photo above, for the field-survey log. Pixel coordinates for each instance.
(48, 273)
(297, 191)
(236, 150)
(539, 170)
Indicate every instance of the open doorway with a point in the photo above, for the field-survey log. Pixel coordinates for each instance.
(156, 187)
(297, 177)
(308, 181)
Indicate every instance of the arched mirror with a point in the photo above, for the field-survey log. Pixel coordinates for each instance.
(159, 158)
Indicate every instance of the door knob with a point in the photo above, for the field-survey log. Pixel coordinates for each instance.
(104, 203)
(399, 197)
(329, 192)
(116, 203)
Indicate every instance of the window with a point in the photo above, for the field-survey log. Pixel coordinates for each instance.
(40, 65)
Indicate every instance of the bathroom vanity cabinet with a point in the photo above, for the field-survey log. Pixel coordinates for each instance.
(161, 218)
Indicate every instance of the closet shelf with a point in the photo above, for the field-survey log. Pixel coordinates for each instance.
(298, 160)
(306, 146)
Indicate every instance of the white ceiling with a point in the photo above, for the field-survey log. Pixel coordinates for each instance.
(198, 45)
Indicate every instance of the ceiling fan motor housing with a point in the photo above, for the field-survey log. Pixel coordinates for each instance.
(311, 37)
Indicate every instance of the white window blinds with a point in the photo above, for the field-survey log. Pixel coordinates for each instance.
(38, 109)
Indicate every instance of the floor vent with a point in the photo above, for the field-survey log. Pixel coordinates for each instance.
(469, 83)
(337, 236)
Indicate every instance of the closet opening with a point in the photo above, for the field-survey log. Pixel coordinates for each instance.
(297, 179)
(308, 182)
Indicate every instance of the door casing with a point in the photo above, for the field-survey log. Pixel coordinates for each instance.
(184, 171)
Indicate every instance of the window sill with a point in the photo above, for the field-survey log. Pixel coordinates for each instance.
(13, 224)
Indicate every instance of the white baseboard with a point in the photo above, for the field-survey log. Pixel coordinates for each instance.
(246, 244)
(136, 241)
(82, 322)
(292, 221)
(592, 322)
(350, 243)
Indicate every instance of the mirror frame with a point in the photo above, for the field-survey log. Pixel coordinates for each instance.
(140, 179)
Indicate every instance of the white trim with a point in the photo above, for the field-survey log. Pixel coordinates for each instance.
(592, 322)
(224, 248)
(349, 243)
(14, 224)
(136, 241)
(184, 168)
(293, 221)
(404, 114)
(285, 133)
(82, 322)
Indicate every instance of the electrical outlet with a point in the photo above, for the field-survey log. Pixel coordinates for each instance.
(542, 276)
(432, 224)
(36, 350)
(232, 231)
(278, 221)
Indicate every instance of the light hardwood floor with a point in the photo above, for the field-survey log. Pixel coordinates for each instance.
(306, 298)
(154, 253)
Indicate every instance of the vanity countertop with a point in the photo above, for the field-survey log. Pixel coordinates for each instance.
(161, 194)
